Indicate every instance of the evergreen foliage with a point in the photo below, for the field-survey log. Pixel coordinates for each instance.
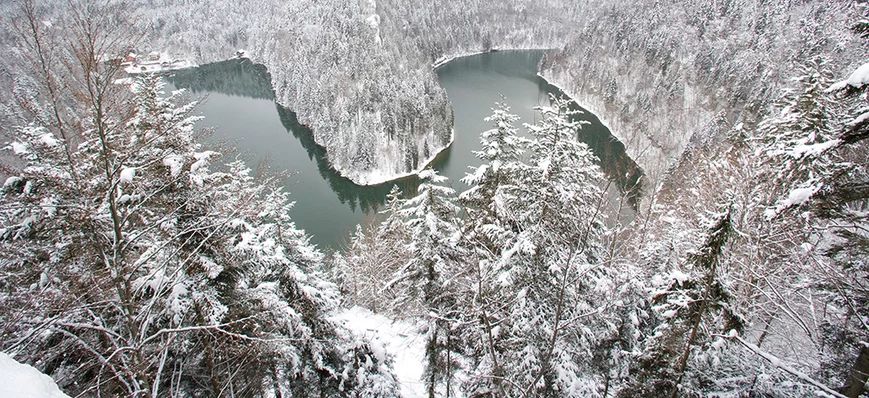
(132, 265)
(134, 261)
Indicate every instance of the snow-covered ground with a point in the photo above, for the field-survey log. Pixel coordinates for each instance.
(24, 381)
(399, 338)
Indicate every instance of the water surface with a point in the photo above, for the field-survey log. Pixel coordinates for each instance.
(240, 105)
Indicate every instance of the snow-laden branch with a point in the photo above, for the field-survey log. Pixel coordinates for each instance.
(775, 361)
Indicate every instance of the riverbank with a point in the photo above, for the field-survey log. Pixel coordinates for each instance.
(587, 107)
(375, 179)
(443, 60)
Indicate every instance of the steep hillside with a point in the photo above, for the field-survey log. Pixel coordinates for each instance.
(664, 73)
(377, 111)
(359, 74)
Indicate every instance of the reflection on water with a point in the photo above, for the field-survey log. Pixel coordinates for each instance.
(365, 198)
(240, 103)
(237, 77)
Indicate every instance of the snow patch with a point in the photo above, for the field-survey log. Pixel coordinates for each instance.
(800, 195)
(174, 163)
(815, 149)
(837, 86)
(20, 380)
(18, 148)
(859, 77)
(48, 139)
(679, 276)
(796, 197)
(432, 175)
(860, 119)
(127, 174)
(390, 336)
(201, 160)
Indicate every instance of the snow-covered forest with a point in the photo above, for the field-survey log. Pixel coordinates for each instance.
(359, 73)
(136, 261)
(658, 73)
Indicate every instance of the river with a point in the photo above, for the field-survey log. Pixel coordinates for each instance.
(239, 103)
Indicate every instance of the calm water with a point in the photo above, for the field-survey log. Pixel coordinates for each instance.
(240, 105)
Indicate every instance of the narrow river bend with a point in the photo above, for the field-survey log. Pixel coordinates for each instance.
(240, 105)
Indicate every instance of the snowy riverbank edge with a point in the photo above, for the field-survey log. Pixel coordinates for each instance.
(361, 178)
(437, 64)
(440, 62)
(449, 58)
(377, 180)
(597, 113)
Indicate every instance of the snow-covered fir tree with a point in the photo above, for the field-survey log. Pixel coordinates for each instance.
(693, 307)
(501, 152)
(208, 271)
(133, 266)
(546, 273)
(487, 232)
(429, 280)
(818, 152)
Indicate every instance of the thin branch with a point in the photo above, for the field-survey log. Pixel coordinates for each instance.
(779, 364)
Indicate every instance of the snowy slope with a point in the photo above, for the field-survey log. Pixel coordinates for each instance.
(398, 338)
(24, 381)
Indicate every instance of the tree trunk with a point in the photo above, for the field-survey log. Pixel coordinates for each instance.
(855, 384)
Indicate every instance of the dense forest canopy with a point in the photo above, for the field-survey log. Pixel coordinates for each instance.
(136, 261)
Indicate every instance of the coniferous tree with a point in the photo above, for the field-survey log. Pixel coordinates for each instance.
(693, 309)
(208, 262)
(132, 267)
(547, 270)
(486, 233)
(501, 153)
(430, 279)
(824, 169)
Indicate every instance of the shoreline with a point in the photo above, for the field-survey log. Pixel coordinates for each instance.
(584, 106)
(359, 179)
(412, 173)
(440, 62)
